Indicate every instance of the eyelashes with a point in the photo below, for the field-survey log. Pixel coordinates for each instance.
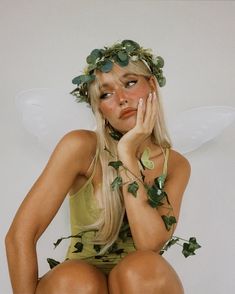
(127, 85)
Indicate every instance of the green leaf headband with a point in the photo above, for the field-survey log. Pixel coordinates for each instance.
(121, 54)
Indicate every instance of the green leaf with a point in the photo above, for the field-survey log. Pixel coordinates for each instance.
(79, 247)
(97, 247)
(122, 63)
(155, 196)
(115, 164)
(154, 203)
(130, 45)
(96, 53)
(133, 188)
(170, 243)
(83, 79)
(119, 251)
(52, 262)
(160, 61)
(122, 55)
(58, 242)
(193, 245)
(168, 221)
(106, 66)
(162, 81)
(160, 181)
(187, 251)
(116, 135)
(116, 184)
(149, 164)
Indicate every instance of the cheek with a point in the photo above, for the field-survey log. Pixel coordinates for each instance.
(106, 109)
(142, 91)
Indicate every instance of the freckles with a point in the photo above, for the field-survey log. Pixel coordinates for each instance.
(107, 110)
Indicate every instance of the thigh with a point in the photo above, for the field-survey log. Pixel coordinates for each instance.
(144, 272)
(73, 277)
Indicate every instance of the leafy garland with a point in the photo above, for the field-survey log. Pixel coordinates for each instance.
(156, 197)
(121, 54)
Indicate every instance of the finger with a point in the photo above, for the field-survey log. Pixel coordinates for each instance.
(140, 114)
(148, 110)
(154, 109)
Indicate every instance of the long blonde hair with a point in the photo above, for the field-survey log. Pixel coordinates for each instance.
(110, 220)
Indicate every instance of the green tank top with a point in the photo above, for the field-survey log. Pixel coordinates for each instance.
(83, 211)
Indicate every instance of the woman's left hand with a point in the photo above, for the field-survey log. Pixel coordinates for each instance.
(130, 142)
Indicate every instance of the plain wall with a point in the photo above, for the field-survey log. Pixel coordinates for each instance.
(45, 43)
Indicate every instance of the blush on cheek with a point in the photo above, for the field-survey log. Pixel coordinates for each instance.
(106, 110)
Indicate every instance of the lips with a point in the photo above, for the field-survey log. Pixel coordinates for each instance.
(129, 111)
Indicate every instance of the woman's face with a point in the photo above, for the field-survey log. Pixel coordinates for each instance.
(120, 93)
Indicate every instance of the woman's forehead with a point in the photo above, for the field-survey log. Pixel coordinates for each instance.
(116, 74)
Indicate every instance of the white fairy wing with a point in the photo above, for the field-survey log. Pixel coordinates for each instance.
(196, 126)
(49, 114)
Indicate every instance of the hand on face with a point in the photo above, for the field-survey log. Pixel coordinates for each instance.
(145, 122)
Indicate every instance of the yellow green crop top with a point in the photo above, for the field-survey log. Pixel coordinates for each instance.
(83, 211)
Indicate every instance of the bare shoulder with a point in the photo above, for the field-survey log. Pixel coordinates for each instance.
(178, 164)
(78, 145)
(79, 138)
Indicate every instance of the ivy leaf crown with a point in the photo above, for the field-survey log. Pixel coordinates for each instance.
(121, 54)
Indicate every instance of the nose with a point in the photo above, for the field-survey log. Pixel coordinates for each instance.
(122, 97)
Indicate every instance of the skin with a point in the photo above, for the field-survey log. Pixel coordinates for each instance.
(142, 271)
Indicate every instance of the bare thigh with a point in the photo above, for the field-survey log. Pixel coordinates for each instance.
(73, 277)
(144, 272)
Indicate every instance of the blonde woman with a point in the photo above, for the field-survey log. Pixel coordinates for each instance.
(119, 226)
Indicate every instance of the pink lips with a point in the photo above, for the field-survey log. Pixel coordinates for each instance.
(129, 111)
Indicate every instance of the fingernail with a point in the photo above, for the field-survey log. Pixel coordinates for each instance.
(154, 96)
(150, 96)
(141, 101)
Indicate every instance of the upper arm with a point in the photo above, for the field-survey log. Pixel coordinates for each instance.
(177, 179)
(48, 192)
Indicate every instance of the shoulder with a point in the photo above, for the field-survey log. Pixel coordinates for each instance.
(78, 146)
(178, 164)
(80, 138)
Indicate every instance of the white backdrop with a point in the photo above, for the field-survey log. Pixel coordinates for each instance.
(45, 43)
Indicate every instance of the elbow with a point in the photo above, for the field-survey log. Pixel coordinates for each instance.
(15, 238)
(10, 242)
(154, 245)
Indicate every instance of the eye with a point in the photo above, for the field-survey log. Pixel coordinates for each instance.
(131, 83)
(105, 95)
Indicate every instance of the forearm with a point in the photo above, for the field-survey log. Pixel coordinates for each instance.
(146, 224)
(22, 263)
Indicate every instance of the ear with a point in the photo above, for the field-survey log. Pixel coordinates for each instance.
(152, 83)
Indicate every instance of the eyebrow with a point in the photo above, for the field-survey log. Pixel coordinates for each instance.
(124, 76)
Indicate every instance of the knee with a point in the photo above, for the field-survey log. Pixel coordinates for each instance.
(71, 277)
(141, 266)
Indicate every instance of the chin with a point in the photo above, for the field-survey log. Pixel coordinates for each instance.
(127, 129)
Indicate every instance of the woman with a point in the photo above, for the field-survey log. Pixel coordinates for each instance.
(119, 225)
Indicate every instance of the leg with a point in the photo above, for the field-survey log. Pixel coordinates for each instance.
(144, 272)
(73, 277)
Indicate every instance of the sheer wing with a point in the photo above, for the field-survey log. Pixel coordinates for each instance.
(196, 126)
(48, 114)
